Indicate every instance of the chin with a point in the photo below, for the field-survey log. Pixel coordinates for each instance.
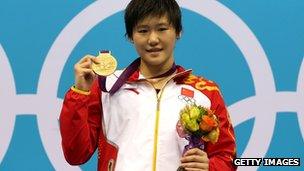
(154, 60)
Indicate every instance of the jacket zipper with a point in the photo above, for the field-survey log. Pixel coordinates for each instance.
(156, 134)
(158, 97)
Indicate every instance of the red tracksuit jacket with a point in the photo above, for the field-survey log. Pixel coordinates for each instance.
(86, 124)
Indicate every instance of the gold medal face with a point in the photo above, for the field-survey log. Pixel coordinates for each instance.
(105, 64)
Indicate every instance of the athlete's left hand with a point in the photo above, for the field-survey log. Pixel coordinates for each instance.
(195, 160)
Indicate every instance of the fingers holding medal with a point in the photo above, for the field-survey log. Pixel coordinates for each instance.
(86, 69)
(104, 64)
(84, 66)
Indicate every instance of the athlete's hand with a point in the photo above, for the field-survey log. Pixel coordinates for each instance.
(195, 160)
(84, 75)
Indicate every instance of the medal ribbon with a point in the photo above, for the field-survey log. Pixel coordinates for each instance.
(126, 74)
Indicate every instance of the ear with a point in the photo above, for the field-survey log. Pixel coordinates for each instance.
(178, 36)
(131, 40)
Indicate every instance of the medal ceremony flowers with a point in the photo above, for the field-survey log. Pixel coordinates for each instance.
(197, 124)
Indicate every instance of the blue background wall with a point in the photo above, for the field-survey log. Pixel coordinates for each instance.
(28, 29)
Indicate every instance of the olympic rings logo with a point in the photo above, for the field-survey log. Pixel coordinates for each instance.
(98, 11)
(186, 99)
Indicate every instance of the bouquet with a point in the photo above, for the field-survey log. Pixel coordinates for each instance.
(197, 124)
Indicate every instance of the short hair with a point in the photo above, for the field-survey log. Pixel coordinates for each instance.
(137, 10)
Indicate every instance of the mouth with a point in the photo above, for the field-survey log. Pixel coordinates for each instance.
(154, 50)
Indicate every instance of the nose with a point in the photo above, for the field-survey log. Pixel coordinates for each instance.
(153, 38)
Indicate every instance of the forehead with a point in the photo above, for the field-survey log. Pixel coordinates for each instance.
(153, 20)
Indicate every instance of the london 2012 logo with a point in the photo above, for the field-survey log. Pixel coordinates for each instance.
(251, 107)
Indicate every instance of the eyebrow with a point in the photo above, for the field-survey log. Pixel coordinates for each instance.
(159, 24)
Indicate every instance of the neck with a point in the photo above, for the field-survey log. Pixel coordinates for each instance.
(149, 71)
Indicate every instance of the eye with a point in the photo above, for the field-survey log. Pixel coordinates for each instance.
(142, 30)
(163, 29)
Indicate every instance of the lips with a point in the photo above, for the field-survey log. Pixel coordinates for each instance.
(154, 50)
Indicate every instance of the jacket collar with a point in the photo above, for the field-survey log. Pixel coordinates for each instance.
(178, 76)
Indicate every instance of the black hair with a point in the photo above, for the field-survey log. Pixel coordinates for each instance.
(137, 10)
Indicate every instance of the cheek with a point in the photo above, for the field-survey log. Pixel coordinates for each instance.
(170, 44)
(138, 43)
(139, 48)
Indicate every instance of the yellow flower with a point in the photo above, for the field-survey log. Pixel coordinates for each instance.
(212, 136)
(188, 121)
(192, 125)
(194, 112)
(185, 118)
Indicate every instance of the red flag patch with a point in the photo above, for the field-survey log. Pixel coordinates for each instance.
(187, 92)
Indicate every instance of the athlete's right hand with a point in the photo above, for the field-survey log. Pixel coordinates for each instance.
(84, 75)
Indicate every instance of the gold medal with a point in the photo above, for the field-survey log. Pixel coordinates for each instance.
(105, 64)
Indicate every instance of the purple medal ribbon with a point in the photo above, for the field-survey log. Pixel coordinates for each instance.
(126, 74)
